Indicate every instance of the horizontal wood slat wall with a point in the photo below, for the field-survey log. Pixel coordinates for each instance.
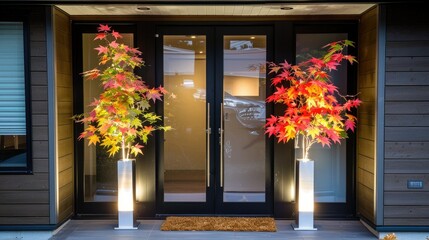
(366, 115)
(406, 115)
(64, 100)
(24, 199)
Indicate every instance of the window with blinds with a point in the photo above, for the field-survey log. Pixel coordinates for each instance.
(13, 123)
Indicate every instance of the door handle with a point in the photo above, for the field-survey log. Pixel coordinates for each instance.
(221, 144)
(208, 132)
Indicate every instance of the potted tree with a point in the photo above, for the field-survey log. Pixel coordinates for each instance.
(315, 112)
(121, 117)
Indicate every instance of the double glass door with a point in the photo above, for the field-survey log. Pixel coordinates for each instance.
(217, 158)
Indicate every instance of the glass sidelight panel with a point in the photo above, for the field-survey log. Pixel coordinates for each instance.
(243, 143)
(185, 109)
(100, 181)
(330, 163)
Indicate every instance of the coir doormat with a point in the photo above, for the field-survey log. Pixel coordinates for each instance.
(256, 224)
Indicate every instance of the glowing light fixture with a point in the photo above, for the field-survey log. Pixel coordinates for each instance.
(126, 195)
(188, 83)
(305, 195)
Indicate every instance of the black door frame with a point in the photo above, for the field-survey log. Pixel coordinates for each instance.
(87, 209)
(347, 209)
(282, 154)
(239, 208)
(214, 204)
(164, 208)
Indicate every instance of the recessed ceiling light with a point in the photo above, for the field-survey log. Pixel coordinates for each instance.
(286, 8)
(143, 8)
(193, 36)
(252, 38)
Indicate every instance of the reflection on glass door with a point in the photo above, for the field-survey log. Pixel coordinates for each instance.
(99, 170)
(330, 163)
(185, 111)
(243, 154)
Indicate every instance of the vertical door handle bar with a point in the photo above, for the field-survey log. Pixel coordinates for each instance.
(221, 144)
(208, 132)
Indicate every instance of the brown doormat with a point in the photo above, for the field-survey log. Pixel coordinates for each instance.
(257, 224)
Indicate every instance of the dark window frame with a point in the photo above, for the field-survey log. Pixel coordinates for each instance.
(28, 169)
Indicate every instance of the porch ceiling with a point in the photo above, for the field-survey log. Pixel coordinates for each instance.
(218, 10)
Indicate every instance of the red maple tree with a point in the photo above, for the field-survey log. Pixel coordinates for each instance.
(315, 110)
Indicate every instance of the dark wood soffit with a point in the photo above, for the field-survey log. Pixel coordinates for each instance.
(158, 18)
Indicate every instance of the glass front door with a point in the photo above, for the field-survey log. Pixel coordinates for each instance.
(215, 160)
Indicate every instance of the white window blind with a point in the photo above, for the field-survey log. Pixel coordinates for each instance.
(12, 79)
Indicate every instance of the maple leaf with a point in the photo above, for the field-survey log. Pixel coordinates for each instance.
(285, 65)
(333, 135)
(135, 51)
(324, 141)
(162, 90)
(148, 129)
(317, 62)
(93, 139)
(103, 28)
(137, 60)
(356, 102)
(82, 135)
(116, 35)
(111, 109)
(114, 44)
(136, 149)
(113, 150)
(153, 94)
(104, 60)
(102, 49)
(332, 65)
(276, 80)
(271, 130)
(118, 56)
(331, 88)
(350, 125)
(120, 77)
(272, 120)
(274, 69)
(313, 132)
(100, 36)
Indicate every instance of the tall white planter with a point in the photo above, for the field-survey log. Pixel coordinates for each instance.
(305, 195)
(126, 195)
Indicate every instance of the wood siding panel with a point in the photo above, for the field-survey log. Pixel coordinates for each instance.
(24, 210)
(405, 150)
(406, 198)
(407, 120)
(37, 181)
(65, 138)
(407, 211)
(406, 115)
(398, 182)
(407, 108)
(24, 199)
(24, 220)
(407, 78)
(366, 114)
(28, 197)
(406, 166)
(407, 93)
(407, 134)
(407, 48)
(406, 221)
